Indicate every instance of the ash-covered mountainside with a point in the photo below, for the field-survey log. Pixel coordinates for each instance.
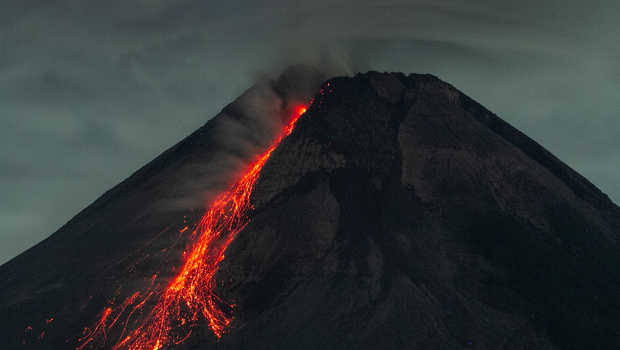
(139, 228)
(399, 214)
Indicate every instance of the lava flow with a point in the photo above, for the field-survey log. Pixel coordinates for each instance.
(190, 296)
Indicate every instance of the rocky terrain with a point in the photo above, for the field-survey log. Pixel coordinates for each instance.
(399, 214)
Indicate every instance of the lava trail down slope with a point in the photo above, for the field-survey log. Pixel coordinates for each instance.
(399, 214)
(192, 292)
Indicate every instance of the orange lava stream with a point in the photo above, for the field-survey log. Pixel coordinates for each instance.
(190, 296)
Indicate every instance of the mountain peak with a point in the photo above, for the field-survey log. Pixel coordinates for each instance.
(398, 213)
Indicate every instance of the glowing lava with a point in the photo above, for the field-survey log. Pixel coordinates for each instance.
(190, 296)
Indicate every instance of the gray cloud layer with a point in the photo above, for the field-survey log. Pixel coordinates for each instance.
(91, 90)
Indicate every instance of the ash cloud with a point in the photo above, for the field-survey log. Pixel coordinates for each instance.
(151, 72)
(243, 129)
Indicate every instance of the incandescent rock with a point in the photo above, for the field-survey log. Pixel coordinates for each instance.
(399, 214)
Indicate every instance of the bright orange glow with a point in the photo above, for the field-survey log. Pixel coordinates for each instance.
(190, 296)
(100, 326)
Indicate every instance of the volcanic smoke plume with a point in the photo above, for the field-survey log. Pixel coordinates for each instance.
(383, 211)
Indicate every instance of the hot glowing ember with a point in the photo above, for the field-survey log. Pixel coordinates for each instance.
(190, 296)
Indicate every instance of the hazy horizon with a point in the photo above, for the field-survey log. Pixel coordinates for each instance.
(91, 91)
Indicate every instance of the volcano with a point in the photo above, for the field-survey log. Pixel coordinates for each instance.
(380, 211)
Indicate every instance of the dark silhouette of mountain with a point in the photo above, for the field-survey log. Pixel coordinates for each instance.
(399, 214)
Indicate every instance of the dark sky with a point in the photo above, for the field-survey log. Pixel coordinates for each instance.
(92, 90)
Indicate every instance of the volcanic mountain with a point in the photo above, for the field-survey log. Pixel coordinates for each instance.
(382, 211)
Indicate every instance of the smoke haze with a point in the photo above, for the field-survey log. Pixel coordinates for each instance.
(90, 91)
(243, 129)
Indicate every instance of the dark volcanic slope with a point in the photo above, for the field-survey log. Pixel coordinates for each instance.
(399, 214)
(402, 214)
(132, 231)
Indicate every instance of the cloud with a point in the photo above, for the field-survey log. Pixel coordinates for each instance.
(81, 80)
